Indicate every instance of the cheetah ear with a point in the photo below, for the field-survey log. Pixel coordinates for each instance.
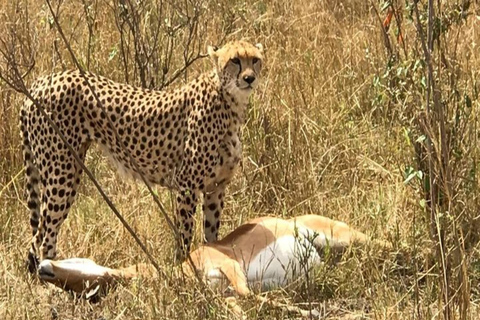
(212, 52)
(259, 46)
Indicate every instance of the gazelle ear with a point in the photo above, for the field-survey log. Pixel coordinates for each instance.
(212, 52)
(259, 46)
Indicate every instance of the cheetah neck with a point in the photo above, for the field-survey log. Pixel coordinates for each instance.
(234, 99)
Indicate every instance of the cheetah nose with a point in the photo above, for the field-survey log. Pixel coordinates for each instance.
(249, 79)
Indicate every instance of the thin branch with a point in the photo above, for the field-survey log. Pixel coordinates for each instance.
(24, 90)
(132, 160)
(441, 157)
(178, 72)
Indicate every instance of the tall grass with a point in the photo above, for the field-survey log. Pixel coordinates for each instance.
(336, 128)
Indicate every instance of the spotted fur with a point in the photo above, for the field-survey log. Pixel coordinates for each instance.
(187, 139)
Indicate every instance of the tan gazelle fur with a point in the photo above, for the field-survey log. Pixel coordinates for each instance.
(237, 258)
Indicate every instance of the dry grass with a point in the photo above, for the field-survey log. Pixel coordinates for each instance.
(321, 138)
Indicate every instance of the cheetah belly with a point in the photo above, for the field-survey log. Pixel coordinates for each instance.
(155, 172)
(158, 161)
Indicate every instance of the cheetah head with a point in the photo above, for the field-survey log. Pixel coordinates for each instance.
(238, 65)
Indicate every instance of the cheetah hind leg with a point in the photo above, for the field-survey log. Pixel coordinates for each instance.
(55, 209)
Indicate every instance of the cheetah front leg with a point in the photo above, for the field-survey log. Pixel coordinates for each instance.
(212, 210)
(185, 222)
(214, 194)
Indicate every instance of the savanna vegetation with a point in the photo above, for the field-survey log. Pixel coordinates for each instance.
(367, 113)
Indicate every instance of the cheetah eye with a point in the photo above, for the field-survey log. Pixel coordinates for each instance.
(235, 60)
(255, 60)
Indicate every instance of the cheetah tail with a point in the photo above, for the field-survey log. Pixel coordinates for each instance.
(32, 177)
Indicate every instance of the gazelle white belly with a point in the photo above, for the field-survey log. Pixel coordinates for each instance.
(287, 258)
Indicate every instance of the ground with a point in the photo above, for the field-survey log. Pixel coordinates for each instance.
(323, 135)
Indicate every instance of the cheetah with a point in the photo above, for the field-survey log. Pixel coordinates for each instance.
(186, 139)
